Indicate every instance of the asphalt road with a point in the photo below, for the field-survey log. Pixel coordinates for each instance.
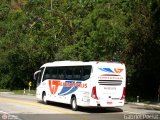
(24, 107)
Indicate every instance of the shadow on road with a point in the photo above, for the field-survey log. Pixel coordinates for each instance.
(100, 110)
(86, 109)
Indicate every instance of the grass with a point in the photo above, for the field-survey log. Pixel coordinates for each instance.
(141, 100)
(4, 90)
(19, 92)
(131, 99)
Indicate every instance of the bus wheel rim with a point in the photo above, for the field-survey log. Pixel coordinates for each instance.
(74, 104)
(44, 99)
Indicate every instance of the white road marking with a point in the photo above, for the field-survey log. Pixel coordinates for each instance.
(8, 116)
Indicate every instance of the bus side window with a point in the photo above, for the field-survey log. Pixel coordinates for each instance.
(46, 74)
(39, 76)
(54, 73)
(77, 73)
(61, 73)
(86, 72)
(69, 73)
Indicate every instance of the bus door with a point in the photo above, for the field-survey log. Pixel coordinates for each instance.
(38, 77)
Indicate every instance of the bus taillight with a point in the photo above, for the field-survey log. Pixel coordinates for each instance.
(94, 93)
(123, 94)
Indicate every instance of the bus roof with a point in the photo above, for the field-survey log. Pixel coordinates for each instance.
(73, 63)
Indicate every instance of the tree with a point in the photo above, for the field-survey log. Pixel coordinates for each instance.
(143, 51)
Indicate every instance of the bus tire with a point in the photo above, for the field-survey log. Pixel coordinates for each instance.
(74, 104)
(44, 100)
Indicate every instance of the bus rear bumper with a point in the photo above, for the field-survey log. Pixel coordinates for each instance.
(110, 104)
(97, 103)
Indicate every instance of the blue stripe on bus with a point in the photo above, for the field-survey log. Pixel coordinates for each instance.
(69, 89)
(106, 70)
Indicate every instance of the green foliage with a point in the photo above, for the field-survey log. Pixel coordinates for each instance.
(34, 32)
(143, 51)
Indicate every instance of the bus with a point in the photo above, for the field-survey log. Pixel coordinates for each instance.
(78, 83)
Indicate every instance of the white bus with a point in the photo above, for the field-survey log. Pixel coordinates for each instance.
(87, 84)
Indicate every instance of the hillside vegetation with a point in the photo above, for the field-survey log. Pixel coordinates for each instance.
(33, 32)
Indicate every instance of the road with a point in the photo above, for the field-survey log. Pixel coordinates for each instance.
(24, 107)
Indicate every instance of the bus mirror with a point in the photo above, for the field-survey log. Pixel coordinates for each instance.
(36, 74)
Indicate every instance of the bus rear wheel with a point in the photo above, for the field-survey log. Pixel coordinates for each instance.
(74, 104)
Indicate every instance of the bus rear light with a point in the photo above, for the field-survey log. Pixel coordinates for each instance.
(94, 93)
(123, 94)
